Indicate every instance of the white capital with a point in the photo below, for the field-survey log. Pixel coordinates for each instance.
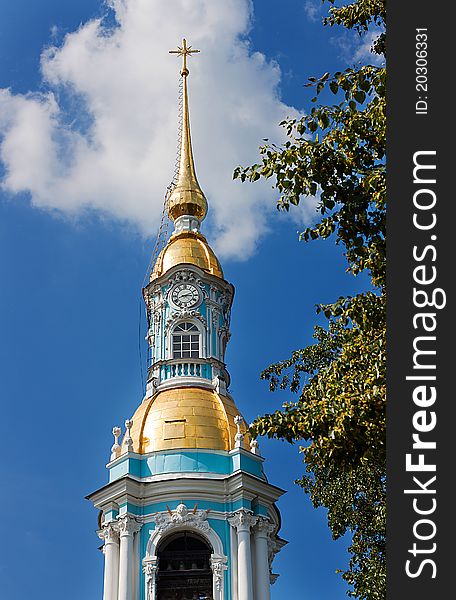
(243, 520)
(263, 527)
(128, 525)
(109, 532)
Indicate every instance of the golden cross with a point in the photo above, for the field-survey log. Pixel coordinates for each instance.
(184, 51)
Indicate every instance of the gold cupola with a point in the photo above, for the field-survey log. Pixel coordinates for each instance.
(187, 198)
(188, 247)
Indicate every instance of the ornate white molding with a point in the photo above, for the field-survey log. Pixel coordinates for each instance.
(177, 315)
(215, 318)
(182, 516)
(150, 570)
(273, 548)
(109, 533)
(264, 527)
(243, 520)
(127, 525)
(187, 275)
(184, 519)
(218, 567)
(156, 308)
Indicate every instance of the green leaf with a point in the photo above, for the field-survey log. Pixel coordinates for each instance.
(359, 96)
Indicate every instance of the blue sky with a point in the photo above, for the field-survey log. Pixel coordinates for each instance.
(71, 274)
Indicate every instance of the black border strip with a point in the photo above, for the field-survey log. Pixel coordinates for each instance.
(417, 128)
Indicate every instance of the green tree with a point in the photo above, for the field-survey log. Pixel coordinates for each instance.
(337, 154)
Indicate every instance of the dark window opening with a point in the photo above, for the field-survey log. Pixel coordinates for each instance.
(184, 570)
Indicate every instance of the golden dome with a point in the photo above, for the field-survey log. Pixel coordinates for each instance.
(187, 247)
(186, 417)
(187, 199)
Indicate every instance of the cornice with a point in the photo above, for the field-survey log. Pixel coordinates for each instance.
(211, 279)
(237, 486)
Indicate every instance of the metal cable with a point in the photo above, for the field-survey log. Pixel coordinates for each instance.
(162, 234)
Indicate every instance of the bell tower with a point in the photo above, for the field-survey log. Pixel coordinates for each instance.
(188, 513)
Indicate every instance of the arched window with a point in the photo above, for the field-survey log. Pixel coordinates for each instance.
(184, 568)
(186, 341)
(222, 346)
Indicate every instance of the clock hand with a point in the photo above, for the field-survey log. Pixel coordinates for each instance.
(185, 297)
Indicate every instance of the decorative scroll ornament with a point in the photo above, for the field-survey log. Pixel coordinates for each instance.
(273, 548)
(155, 303)
(264, 526)
(225, 330)
(109, 532)
(225, 302)
(184, 314)
(215, 317)
(187, 276)
(182, 516)
(243, 520)
(128, 525)
(154, 381)
(150, 570)
(218, 567)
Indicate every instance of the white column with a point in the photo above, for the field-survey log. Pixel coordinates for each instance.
(234, 565)
(243, 521)
(128, 526)
(110, 536)
(262, 586)
(136, 569)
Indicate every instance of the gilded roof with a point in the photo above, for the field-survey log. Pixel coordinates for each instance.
(187, 247)
(187, 417)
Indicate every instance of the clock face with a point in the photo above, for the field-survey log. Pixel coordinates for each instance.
(185, 295)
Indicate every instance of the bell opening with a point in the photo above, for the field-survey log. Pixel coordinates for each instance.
(184, 568)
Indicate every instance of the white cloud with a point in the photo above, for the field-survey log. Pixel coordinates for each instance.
(305, 213)
(358, 49)
(313, 10)
(104, 135)
(364, 50)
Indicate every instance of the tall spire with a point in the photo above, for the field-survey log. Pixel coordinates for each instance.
(187, 198)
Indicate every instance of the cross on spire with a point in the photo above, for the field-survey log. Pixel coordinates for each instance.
(184, 51)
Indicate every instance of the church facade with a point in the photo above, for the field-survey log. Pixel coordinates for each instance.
(188, 513)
